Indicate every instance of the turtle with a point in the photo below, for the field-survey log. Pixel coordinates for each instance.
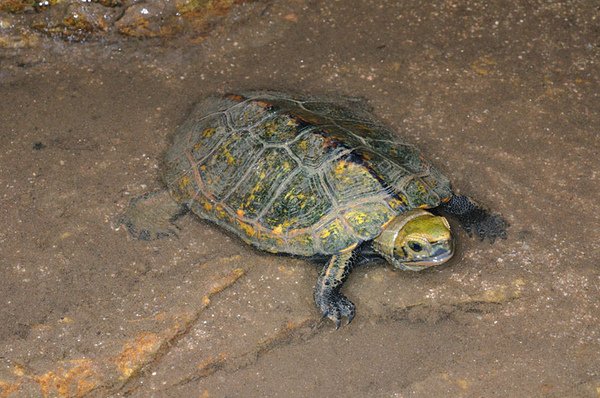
(312, 176)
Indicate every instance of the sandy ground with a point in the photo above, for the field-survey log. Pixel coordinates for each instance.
(504, 100)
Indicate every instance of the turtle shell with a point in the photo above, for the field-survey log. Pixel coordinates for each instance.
(299, 175)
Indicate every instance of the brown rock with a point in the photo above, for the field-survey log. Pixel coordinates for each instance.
(15, 6)
(75, 21)
(156, 18)
(12, 35)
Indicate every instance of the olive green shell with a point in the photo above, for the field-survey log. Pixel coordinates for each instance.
(296, 175)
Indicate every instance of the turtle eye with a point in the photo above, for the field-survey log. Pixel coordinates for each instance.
(415, 246)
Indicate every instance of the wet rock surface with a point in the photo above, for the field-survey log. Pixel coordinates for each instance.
(106, 20)
(503, 100)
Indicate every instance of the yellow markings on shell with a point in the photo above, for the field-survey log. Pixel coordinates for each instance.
(302, 240)
(278, 230)
(284, 225)
(184, 188)
(220, 212)
(247, 228)
(340, 167)
(289, 222)
(303, 145)
(295, 195)
(332, 231)
(245, 117)
(358, 217)
(394, 203)
(286, 166)
(348, 171)
(197, 145)
(184, 182)
(249, 200)
(301, 197)
(367, 219)
(397, 203)
(270, 127)
(349, 174)
(228, 156)
(271, 242)
(420, 188)
(325, 233)
(202, 201)
(209, 132)
(240, 212)
(257, 188)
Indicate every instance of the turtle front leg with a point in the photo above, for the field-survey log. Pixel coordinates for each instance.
(331, 302)
(152, 216)
(475, 219)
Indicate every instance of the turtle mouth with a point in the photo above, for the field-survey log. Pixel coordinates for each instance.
(440, 256)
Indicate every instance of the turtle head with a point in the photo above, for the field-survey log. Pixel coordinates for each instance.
(415, 240)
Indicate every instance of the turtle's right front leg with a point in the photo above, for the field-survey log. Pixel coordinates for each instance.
(331, 302)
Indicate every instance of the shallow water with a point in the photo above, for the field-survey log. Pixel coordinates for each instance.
(504, 101)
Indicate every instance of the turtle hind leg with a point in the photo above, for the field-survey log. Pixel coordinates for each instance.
(152, 215)
(475, 219)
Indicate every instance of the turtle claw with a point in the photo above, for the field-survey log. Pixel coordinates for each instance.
(351, 317)
(490, 227)
(337, 323)
(337, 306)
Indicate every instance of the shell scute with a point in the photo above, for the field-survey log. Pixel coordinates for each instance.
(313, 149)
(302, 244)
(366, 219)
(205, 137)
(335, 235)
(350, 181)
(301, 205)
(228, 163)
(271, 242)
(261, 182)
(246, 114)
(201, 204)
(279, 128)
(406, 156)
(420, 194)
(184, 187)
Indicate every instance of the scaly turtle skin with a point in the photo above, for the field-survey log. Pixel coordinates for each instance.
(310, 177)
